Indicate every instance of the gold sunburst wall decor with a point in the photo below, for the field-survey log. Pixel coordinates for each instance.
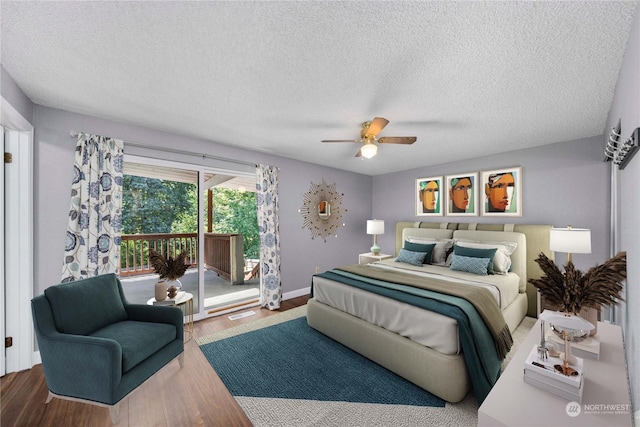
(322, 210)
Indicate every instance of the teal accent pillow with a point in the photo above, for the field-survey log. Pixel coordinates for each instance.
(411, 257)
(420, 247)
(476, 253)
(469, 264)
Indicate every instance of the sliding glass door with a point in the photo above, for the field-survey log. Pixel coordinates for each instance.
(175, 208)
(160, 212)
(231, 242)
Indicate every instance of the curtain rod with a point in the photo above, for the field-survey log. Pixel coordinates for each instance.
(74, 134)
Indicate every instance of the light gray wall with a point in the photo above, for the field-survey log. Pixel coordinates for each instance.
(15, 96)
(626, 107)
(54, 155)
(563, 184)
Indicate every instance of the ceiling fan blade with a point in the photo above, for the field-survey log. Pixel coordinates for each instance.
(341, 140)
(358, 154)
(376, 126)
(397, 140)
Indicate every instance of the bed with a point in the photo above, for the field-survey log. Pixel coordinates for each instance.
(402, 317)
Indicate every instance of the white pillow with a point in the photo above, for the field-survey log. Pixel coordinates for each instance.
(502, 257)
(443, 246)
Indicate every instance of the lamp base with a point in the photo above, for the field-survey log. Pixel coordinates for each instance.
(375, 249)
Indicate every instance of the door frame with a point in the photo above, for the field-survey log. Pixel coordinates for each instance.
(3, 363)
(17, 263)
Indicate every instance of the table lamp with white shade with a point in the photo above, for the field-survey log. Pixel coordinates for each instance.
(570, 240)
(574, 241)
(375, 227)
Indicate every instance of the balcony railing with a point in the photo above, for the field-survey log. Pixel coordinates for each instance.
(134, 250)
(223, 253)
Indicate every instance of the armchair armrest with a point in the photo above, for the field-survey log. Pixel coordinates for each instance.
(70, 361)
(157, 314)
(82, 365)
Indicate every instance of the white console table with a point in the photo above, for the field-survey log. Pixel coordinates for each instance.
(605, 400)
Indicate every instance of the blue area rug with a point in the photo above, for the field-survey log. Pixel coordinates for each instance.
(291, 360)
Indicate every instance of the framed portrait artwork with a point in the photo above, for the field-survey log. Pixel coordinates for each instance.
(461, 191)
(429, 196)
(502, 192)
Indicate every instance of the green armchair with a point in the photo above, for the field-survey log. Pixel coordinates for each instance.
(96, 347)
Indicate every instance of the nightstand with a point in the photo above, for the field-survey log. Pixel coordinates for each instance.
(368, 258)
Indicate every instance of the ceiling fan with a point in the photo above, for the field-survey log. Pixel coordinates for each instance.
(369, 135)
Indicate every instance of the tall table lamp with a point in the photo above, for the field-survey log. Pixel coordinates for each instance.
(576, 241)
(375, 227)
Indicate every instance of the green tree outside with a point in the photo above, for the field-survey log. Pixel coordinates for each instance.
(151, 205)
(235, 212)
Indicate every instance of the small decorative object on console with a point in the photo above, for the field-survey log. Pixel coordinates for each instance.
(544, 375)
(571, 327)
(589, 348)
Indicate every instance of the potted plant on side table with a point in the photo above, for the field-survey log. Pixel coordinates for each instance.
(170, 271)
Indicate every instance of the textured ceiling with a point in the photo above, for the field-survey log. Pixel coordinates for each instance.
(466, 78)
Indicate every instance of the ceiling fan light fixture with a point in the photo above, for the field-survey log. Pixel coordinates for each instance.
(369, 136)
(369, 150)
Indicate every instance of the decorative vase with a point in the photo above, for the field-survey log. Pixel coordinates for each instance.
(161, 291)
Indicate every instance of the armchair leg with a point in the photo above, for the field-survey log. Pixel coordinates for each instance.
(181, 359)
(114, 412)
(113, 409)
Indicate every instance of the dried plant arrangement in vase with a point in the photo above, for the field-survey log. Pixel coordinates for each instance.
(170, 270)
(572, 291)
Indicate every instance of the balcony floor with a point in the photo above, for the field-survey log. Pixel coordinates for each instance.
(218, 291)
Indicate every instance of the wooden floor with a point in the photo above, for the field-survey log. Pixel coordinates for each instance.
(191, 396)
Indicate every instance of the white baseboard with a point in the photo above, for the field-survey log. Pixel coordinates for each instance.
(297, 293)
(36, 360)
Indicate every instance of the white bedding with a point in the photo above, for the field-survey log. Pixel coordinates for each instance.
(405, 319)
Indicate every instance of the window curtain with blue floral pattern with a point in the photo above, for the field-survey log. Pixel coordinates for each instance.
(95, 216)
(269, 230)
